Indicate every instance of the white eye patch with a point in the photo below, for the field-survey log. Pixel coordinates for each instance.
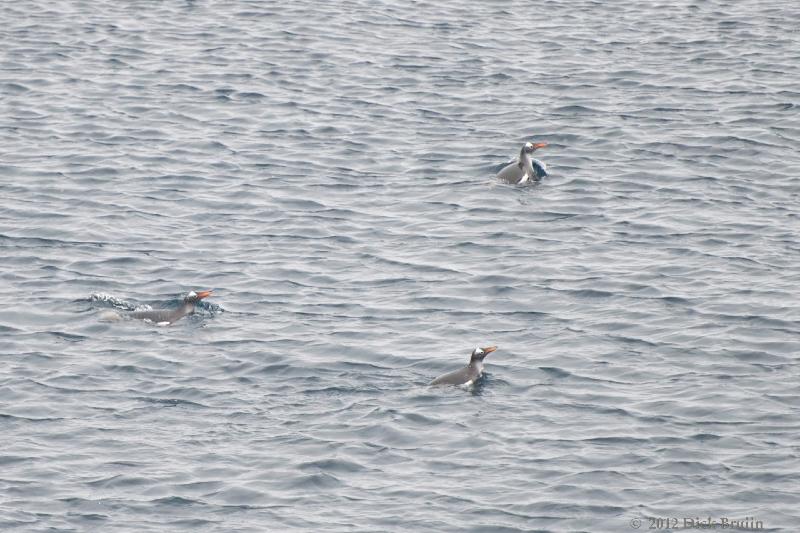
(191, 294)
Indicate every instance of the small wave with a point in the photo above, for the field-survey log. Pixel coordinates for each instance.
(112, 301)
(332, 465)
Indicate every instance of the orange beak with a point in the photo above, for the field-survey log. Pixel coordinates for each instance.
(203, 294)
(489, 349)
(539, 145)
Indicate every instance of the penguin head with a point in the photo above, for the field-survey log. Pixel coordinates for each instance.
(194, 297)
(530, 147)
(479, 354)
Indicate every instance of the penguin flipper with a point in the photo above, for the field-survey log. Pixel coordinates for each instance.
(539, 168)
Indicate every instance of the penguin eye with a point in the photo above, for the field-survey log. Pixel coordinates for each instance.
(191, 294)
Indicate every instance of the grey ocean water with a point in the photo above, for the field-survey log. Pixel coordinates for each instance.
(327, 169)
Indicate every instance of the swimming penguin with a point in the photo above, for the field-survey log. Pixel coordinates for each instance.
(470, 373)
(168, 316)
(525, 168)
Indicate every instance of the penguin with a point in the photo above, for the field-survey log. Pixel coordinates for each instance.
(525, 168)
(470, 373)
(169, 316)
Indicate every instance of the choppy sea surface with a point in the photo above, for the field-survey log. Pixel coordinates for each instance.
(327, 169)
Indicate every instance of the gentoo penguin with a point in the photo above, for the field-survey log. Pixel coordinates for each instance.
(525, 168)
(470, 373)
(168, 316)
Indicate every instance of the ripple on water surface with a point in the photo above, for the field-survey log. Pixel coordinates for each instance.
(327, 170)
